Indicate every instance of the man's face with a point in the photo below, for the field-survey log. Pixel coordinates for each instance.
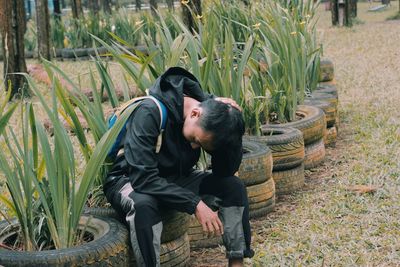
(194, 134)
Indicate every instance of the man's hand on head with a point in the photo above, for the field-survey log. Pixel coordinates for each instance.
(209, 220)
(229, 101)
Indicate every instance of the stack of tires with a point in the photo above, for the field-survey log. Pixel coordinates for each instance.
(256, 173)
(326, 97)
(312, 124)
(287, 146)
(175, 248)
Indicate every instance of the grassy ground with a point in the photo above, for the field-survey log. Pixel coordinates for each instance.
(325, 223)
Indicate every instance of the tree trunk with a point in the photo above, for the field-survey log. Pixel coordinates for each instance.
(43, 29)
(138, 5)
(353, 8)
(334, 12)
(77, 10)
(12, 30)
(153, 7)
(57, 9)
(106, 6)
(94, 7)
(170, 4)
(190, 13)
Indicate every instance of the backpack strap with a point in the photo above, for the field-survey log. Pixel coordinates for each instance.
(163, 115)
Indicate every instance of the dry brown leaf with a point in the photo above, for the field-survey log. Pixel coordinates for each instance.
(362, 189)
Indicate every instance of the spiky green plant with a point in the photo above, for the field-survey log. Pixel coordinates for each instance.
(42, 173)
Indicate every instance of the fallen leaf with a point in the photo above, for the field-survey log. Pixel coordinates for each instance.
(362, 189)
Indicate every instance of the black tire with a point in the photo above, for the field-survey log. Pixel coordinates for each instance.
(325, 97)
(110, 247)
(312, 124)
(315, 154)
(288, 181)
(173, 253)
(329, 109)
(261, 198)
(330, 137)
(264, 210)
(328, 89)
(256, 166)
(175, 224)
(197, 237)
(286, 144)
(176, 252)
(326, 70)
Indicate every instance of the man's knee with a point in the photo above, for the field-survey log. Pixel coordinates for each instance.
(146, 209)
(236, 194)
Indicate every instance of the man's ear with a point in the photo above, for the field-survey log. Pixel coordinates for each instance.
(196, 112)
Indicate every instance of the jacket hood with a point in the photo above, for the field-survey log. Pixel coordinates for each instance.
(170, 88)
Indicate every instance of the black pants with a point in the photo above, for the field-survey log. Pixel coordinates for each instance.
(142, 213)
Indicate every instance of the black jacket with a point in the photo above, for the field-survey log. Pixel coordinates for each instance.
(148, 170)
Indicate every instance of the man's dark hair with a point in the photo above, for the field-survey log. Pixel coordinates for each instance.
(223, 121)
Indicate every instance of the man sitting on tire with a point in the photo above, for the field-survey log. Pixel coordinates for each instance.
(141, 180)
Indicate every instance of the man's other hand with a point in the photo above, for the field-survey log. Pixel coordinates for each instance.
(209, 220)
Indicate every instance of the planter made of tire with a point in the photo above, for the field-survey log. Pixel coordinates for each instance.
(197, 237)
(73, 53)
(326, 70)
(175, 224)
(328, 89)
(256, 166)
(315, 154)
(256, 173)
(311, 124)
(288, 181)
(109, 247)
(261, 198)
(286, 144)
(329, 109)
(325, 97)
(330, 137)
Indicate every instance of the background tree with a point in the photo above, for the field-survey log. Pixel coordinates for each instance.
(353, 8)
(57, 9)
(191, 11)
(170, 5)
(77, 10)
(138, 5)
(94, 7)
(153, 6)
(12, 30)
(106, 5)
(43, 28)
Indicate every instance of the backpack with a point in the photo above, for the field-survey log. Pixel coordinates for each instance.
(111, 121)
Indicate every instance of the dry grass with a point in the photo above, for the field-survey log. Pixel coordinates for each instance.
(326, 224)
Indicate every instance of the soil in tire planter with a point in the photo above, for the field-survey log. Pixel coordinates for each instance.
(110, 247)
